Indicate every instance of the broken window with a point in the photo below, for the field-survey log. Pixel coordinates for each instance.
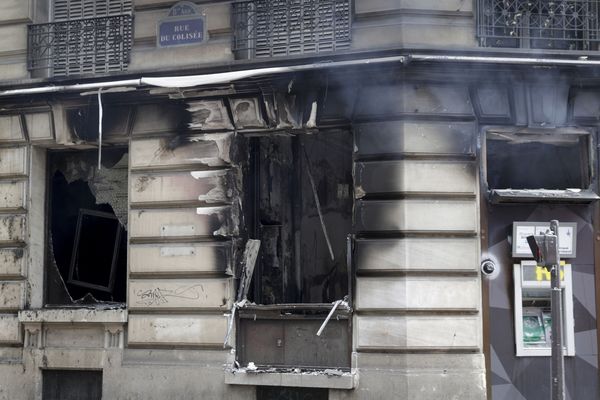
(299, 207)
(301, 211)
(543, 165)
(87, 238)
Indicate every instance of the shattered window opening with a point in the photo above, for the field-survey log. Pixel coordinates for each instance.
(301, 211)
(537, 161)
(87, 237)
(298, 209)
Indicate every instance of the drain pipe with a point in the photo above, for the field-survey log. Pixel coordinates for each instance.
(580, 62)
(204, 79)
(230, 76)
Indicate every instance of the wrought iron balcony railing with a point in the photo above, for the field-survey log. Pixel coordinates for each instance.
(539, 24)
(271, 28)
(81, 46)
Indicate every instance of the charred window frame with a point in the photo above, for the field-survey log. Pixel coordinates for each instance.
(86, 219)
(539, 24)
(539, 165)
(297, 279)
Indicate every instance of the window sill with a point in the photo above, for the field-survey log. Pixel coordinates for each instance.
(325, 379)
(74, 315)
(542, 195)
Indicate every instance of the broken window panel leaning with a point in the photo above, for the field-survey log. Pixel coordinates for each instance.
(97, 245)
(87, 244)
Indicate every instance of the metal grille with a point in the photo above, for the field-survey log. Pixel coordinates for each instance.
(65, 10)
(82, 46)
(271, 28)
(540, 24)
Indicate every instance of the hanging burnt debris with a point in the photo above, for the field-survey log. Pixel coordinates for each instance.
(87, 247)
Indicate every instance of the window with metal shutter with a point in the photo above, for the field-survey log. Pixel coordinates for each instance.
(64, 10)
(271, 28)
(85, 37)
(539, 24)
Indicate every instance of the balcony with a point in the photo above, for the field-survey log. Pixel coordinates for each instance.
(81, 46)
(289, 27)
(539, 24)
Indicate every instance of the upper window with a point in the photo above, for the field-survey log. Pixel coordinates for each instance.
(84, 37)
(271, 28)
(539, 24)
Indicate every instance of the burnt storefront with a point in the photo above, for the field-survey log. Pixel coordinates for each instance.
(296, 199)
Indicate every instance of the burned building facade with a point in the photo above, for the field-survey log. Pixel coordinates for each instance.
(295, 199)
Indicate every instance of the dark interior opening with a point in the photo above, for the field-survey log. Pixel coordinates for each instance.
(286, 177)
(71, 385)
(290, 393)
(545, 161)
(87, 249)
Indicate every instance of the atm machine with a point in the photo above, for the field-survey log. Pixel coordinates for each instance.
(533, 322)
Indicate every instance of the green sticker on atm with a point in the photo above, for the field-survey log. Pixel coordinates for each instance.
(533, 329)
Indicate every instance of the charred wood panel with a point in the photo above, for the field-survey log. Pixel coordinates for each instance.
(416, 215)
(494, 103)
(381, 178)
(40, 126)
(181, 258)
(418, 333)
(417, 254)
(13, 195)
(160, 224)
(10, 329)
(12, 228)
(13, 262)
(12, 296)
(293, 343)
(584, 105)
(177, 294)
(11, 129)
(173, 151)
(159, 119)
(410, 137)
(181, 187)
(177, 330)
(13, 161)
(413, 99)
(416, 293)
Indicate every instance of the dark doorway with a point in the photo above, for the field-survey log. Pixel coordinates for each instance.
(290, 393)
(71, 385)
